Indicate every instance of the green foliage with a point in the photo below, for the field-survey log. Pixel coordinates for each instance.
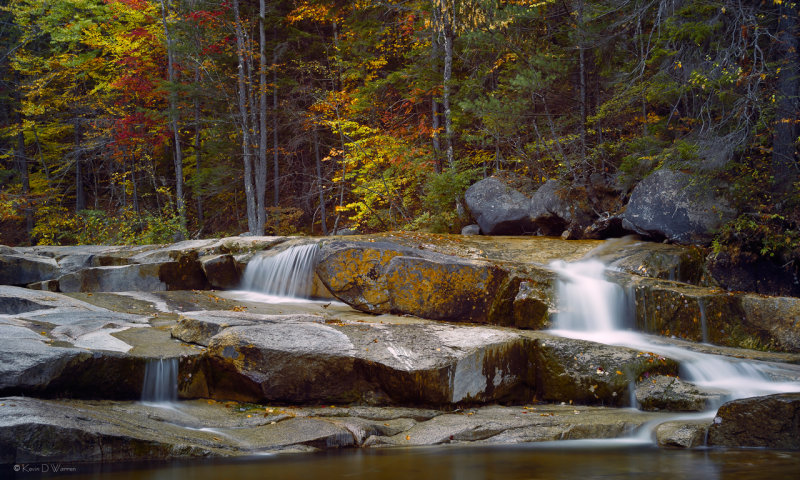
(56, 226)
(761, 235)
(442, 192)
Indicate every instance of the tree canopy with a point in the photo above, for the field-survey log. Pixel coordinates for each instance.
(152, 120)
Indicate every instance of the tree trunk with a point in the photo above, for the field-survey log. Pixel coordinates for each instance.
(448, 71)
(320, 181)
(258, 178)
(22, 168)
(252, 220)
(136, 207)
(173, 115)
(80, 195)
(784, 156)
(261, 165)
(276, 178)
(437, 149)
(343, 181)
(198, 194)
(582, 80)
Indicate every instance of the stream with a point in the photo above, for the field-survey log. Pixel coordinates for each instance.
(590, 308)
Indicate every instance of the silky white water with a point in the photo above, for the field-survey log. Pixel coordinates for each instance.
(592, 308)
(287, 274)
(161, 381)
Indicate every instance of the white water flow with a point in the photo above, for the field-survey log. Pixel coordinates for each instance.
(592, 308)
(287, 274)
(160, 381)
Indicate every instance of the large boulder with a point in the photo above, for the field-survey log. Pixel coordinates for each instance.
(772, 421)
(383, 277)
(302, 359)
(670, 205)
(498, 208)
(585, 372)
(553, 210)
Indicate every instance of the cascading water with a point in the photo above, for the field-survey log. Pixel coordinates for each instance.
(287, 274)
(160, 381)
(592, 308)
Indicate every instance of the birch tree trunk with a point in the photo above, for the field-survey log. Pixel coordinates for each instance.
(249, 193)
(173, 116)
(447, 24)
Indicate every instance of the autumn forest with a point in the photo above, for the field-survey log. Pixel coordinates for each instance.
(141, 121)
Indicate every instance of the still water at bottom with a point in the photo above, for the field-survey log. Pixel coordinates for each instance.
(478, 463)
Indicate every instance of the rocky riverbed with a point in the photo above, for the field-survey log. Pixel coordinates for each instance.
(413, 340)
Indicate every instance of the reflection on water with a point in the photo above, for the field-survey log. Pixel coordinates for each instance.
(531, 461)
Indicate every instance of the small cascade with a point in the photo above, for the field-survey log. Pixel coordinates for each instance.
(703, 319)
(592, 308)
(160, 381)
(587, 302)
(287, 274)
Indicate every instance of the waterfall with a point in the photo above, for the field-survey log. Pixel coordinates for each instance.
(592, 308)
(587, 302)
(287, 274)
(160, 381)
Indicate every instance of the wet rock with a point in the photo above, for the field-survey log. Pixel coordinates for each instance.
(38, 431)
(31, 366)
(554, 210)
(305, 361)
(222, 271)
(471, 230)
(22, 269)
(532, 306)
(715, 316)
(498, 208)
(590, 373)
(495, 425)
(184, 274)
(774, 318)
(67, 432)
(27, 363)
(682, 434)
(654, 260)
(772, 421)
(668, 204)
(673, 394)
(382, 277)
